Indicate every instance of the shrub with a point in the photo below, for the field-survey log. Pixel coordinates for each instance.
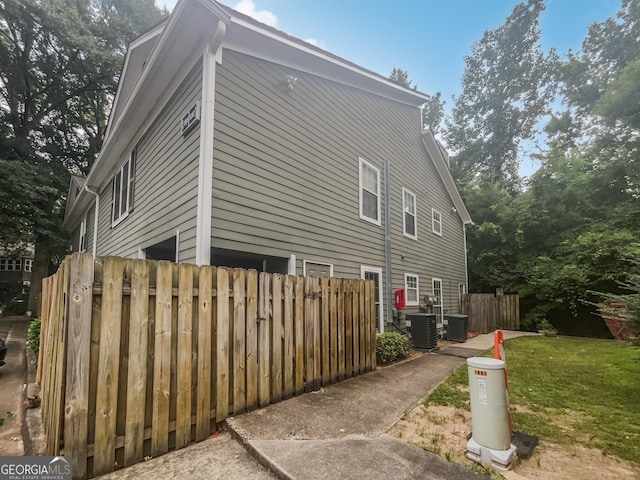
(33, 335)
(391, 346)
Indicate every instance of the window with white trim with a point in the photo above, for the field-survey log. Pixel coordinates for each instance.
(123, 181)
(369, 192)
(436, 222)
(375, 274)
(82, 238)
(317, 269)
(411, 289)
(409, 222)
(28, 264)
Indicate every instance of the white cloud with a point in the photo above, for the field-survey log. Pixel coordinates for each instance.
(316, 43)
(249, 8)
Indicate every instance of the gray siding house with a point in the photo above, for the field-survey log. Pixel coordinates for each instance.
(232, 143)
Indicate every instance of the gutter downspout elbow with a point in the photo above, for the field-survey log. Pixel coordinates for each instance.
(95, 219)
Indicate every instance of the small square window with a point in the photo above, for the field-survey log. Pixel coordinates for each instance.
(436, 221)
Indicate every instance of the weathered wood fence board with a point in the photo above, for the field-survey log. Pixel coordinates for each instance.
(488, 312)
(138, 357)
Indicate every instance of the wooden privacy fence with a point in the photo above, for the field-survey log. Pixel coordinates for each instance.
(140, 357)
(488, 312)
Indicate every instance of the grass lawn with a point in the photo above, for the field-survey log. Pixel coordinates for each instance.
(567, 390)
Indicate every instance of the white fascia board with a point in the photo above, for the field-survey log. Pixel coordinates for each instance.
(188, 16)
(133, 46)
(434, 150)
(280, 48)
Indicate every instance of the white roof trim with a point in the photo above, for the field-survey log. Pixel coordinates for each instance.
(435, 151)
(290, 41)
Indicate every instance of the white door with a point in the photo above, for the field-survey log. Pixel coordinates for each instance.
(437, 304)
(375, 274)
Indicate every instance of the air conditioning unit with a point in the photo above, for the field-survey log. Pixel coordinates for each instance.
(457, 327)
(424, 331)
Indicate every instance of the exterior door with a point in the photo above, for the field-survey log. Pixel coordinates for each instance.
(375, 274)
(437, 305)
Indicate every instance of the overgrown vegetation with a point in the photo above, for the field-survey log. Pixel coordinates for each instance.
(58, 75)
(33, 335)
(571, 226)
(391, 346)
(629, 298)
(568, 390)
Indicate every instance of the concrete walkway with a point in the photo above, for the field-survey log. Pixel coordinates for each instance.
(336, 432)
(340, 431)
(13, 378)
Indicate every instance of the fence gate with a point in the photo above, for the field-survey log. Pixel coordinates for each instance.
(488, 312)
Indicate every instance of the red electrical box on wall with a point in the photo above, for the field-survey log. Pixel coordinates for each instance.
(399, 296)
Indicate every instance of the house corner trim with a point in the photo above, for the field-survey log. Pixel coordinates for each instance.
(205, 170)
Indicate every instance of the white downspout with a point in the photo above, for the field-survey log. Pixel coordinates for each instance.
(466, 263)
(95, 219)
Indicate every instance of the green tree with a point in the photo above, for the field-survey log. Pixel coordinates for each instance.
(506, 88)
(433, 112)
(507, 85)
(401, 77)
(59, 61)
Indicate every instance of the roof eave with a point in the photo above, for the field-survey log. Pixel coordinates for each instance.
(435, 151)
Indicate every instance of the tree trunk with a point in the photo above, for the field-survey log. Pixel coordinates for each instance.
(40, 270)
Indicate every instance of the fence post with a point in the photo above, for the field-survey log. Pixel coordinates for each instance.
(137, 374)
(222, 340)
(108, 366)
(78, 346)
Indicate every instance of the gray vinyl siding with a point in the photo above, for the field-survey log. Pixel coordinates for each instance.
(89, 234)
(166, 183)
(74, 238)
(431, 255)
(286, 176)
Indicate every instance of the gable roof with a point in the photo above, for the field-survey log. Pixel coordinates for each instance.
(76, 185)
(134, 62)
(160, 54)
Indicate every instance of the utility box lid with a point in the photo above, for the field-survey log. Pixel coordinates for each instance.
(486, 363)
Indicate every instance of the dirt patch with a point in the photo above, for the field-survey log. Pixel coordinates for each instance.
(443, 431)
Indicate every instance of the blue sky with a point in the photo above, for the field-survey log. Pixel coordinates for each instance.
(427, 38)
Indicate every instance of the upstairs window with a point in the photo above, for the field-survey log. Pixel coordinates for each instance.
(409, 214)
(436, 222)
(122, 202)
(369, 192)
(28, 264)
